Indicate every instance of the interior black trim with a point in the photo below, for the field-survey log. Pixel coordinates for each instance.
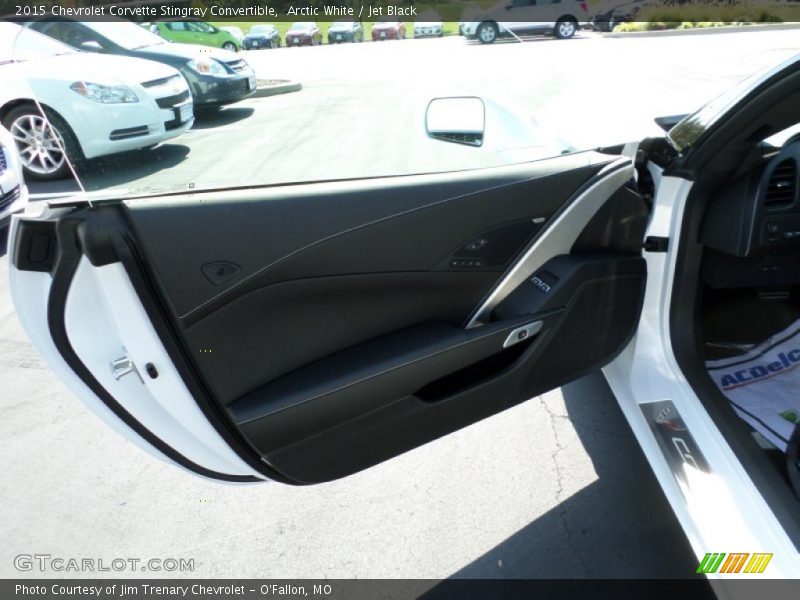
(67, 261)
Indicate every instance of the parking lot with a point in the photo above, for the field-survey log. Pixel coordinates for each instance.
(361, 110)
(556, 487)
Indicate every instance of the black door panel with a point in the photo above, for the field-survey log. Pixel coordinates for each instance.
(392, 225)
(410, 421)
(410, 387)
(323, 327)
(315, 317)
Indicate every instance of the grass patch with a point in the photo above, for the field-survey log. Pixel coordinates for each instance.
(450, 27)
(710, 14)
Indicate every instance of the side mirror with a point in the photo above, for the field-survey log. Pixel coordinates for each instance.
(91, 46)
(460, 120)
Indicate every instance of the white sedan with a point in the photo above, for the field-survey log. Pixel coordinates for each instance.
(63, 106)
(428, 29)
(13, 191)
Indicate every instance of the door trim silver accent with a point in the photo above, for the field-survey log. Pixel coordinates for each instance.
(559, 236)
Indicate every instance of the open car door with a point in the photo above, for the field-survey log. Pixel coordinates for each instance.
(304, 332)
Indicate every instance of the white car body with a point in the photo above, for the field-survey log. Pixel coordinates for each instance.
(428, 28)
(520, 17)
(13, 191)
(99, 128)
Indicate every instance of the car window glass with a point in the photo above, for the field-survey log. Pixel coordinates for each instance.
(203, 28)
(176, 26)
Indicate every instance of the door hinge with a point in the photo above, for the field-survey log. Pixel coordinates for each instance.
(654, 243)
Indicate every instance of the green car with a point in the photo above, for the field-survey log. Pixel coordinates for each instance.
(197, 32)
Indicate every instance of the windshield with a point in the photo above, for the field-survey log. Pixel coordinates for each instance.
(302, 26)
(124, 34)
(261, 29)
(343, 25)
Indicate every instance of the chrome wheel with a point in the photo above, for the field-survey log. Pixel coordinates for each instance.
(487, 33)
(41, 146)
(566, 29)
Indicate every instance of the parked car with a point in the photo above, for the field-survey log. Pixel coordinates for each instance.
(13, 191)
(93, 105)
(198, 32)
(429, 25)
(216, 77)
(304, 34)
(523, 17)
(388, 30)
(345, 31)
(262, 36)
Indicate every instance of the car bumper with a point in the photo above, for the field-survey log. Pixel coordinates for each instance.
(338, 38)
(218, 91)
(108, 129)
(258, 44)
(299, 41)
(389, 35)
(427, 33)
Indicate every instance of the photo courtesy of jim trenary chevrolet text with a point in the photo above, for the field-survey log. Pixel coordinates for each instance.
(357, 299)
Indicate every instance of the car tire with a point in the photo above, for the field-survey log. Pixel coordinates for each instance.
(565, 28)
(230, 46)
(28, 119)
(486, 32)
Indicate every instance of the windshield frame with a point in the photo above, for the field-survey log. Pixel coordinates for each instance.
(693, 128)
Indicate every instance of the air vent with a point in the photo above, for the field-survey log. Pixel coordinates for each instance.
(782, 185)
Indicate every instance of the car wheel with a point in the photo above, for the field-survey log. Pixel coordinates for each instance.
(45, 145)
(487, 32)
(565, 29)
(230, 46)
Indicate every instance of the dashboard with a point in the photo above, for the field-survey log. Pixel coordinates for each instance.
(751, 229)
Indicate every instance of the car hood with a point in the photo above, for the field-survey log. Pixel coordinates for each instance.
(384, 25)
(96, 68)
(188, 52)
(300, 32)
(255, 36)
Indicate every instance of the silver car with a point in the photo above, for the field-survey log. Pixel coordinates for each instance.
(525, 17)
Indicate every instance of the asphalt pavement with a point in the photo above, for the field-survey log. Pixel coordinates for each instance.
(556, 487)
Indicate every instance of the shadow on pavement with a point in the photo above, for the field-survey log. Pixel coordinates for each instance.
(119, 169)
(619, 526)
(220, 118)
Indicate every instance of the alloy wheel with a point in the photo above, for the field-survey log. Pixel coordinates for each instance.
(41, 146)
